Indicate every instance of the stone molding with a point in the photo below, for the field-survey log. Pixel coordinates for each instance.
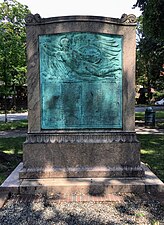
(37, 20)
(131, 18)
(80, 172)
(82, 138)
(33, 19)
(37, 26)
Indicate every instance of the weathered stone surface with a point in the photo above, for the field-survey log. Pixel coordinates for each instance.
(92, 136)
(80, 80)
(93, 186)
(87, 154)
(98, 25)
(92, 160)
(81, 155)
(89, 186)
(69, 136)
(81, 172)
(12, 183)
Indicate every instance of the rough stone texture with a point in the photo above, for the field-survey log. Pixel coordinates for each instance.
(73, 172)
(81, 24)
(3, 199)
(12, 183)
(85, 152)
(113, 154)
(92, 186)
(83, 159)
(81, 155)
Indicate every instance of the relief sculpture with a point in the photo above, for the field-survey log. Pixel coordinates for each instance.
(81, 80)
(80, 56)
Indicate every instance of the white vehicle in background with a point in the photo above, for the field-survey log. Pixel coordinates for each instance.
(160, 102)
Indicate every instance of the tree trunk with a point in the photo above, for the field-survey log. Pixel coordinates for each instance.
(5, 109)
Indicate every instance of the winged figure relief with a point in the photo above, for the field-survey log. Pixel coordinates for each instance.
(80, 56)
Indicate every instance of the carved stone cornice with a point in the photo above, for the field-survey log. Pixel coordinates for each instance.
(131, 18)
(33, 19)
(82, 138)
(37, 20)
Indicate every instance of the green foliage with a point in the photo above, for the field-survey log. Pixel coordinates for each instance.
(11, 151)
(12, 45)
(155, 222)
(12, 146)
(158, 95)
(150, 56)
(139, 214)
(13, 125)
(153, 18)
(150, 48)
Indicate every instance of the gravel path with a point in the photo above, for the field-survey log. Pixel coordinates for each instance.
(133, 210)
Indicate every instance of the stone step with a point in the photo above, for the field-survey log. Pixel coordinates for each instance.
(82, 186)
(101, 187)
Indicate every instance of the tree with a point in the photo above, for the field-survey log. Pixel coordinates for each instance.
(150, 46)
(12, 46)
(153, 17)
(150, 56)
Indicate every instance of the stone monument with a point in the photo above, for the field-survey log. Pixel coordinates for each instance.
(81, 98)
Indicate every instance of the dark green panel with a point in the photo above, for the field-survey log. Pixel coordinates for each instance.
(71, 99)
(106, 111)
(81, 81)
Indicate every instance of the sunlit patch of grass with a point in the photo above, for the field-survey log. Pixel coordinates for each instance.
(152, 152)
(12, 151)
(12, 145)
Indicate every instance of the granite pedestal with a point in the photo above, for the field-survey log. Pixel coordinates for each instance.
(81, 93)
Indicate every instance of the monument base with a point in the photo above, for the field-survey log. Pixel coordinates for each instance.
(60, 187)
(85, 172)
(81, 155)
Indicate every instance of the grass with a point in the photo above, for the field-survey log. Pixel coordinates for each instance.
(13, 111)
(159, 117)
(152, 154)
(21, 124)
(11, 151)
(141, 115)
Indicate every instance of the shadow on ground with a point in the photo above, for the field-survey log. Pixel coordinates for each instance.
(134, 210)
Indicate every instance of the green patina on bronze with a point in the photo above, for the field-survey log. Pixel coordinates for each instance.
(81, 80)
